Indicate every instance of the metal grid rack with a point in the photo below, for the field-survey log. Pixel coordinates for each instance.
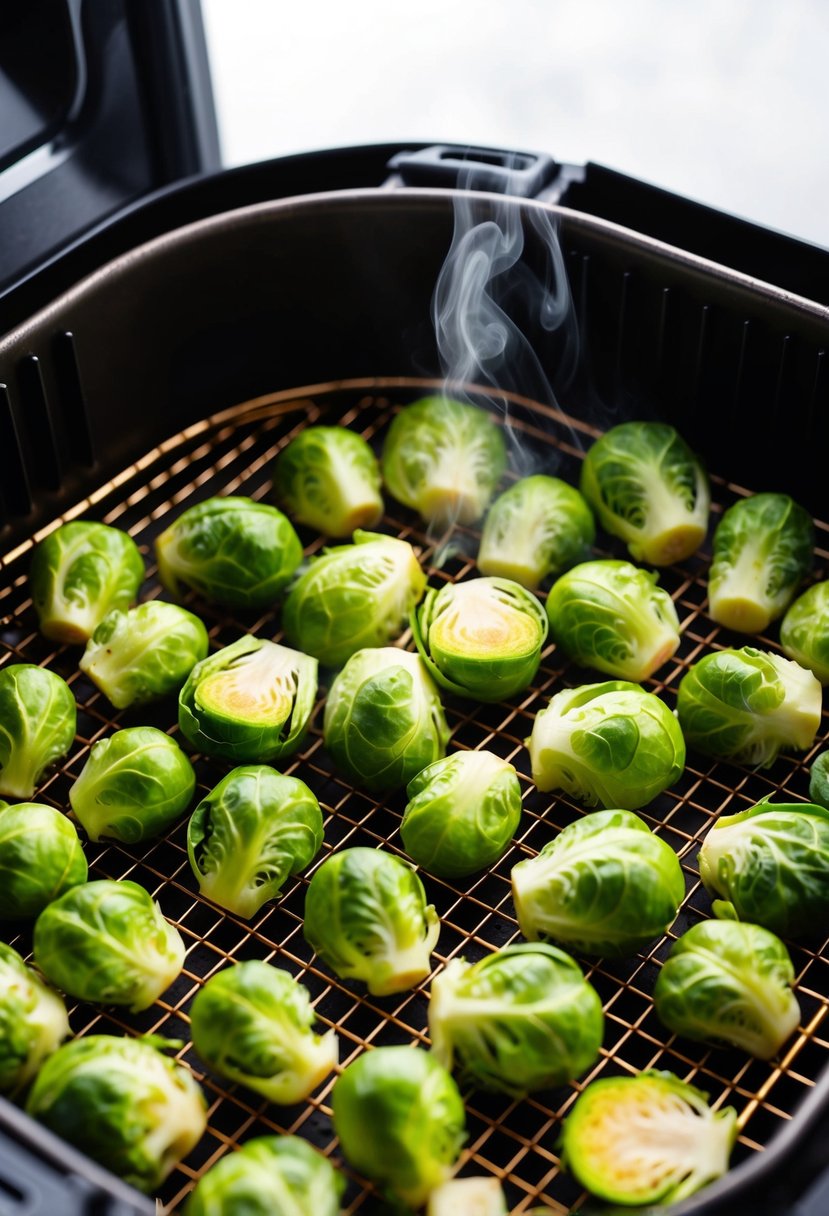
(516, 1141)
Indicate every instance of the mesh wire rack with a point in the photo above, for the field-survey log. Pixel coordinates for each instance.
(515, 1141)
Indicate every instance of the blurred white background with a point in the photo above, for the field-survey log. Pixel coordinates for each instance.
(721, 100)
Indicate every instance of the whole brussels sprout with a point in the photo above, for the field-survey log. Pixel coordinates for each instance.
(521, 1019)
(328, 478)
(763, 548)
(251, 1023)
(804, 631)
(647, 487)
(33, 1022)
(269, 1176)
(232, 551)
(38, 716)
(613, 616)
(400, 1120)
(123, 1103)
(609, 743)
(472, 1196)
(144, 654)
(539, 526)
(383, 719)
(367, 918)
(250, 701)
(747, 705)
(134, 784)
(819, 780)
(107, 942)
(253, 830)
(646, 1139)
(604, 886)
(80, 572)
(769, 863)
(730, 982)
(462, 813)
(40, 858)
(444, 459)
(353, 596)
(481, 638)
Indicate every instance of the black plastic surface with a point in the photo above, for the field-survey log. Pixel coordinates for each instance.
(523, 174)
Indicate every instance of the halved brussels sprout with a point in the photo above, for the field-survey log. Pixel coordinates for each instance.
(250, 701)
(122, 1103)
(521, 1019)
(33, 1022)
(400, 1120)
(232, 551)
(38, 716)
(747, 705)
(328, 478)
(383, 719)
(144, 654)
(539, 526)
(481, 638)
(269, 1176)
(251, 1023)
(613, 616)
(40, 858)
(604, 886)
(80, 572)
(609, 743)
(647, 487)
(253, 830)
(819, 780)
(646, 1139)
(729, 982)
(108, 942)
(444, 459)
(353, 596)
(367, 918)
(763, 549)
(471, 1196)
(134, 784)
(804, 631)
(462, 813)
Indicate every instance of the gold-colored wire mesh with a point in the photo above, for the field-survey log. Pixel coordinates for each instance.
(515, 1141)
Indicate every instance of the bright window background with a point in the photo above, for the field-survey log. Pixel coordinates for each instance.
(720, 100)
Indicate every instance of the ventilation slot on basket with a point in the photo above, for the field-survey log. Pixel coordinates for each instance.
(40, 427)
(15, 495)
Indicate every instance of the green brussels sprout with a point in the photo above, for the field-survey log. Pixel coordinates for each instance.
(763, 548)
(250, 701)
(539, 526)
(40, 858)
(38, 716)
(462, 813)
(79, 573)
(605, 886)
(383, 719)
(367, 918)
(471, 1196)
(144, 654)
(122, 1103)
(328, 478)
(481, 638)
(611, 744)
(353, 596)
(646, 1139)
(613, 616)
(253, 830)
(730, 982)
(769, 864)
(521, 1019)
(251, 1023)
(134, 785)
(232, 551)
(444, 459)
(648, 488)
(269, 1176)
(819, 780)
(804, 631)
(400, 1120)
(747, 705)
(33, 1022)
(107, 942)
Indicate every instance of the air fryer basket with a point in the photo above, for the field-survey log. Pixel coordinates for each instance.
(180, 370)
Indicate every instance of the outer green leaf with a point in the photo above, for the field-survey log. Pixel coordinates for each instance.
(37, 726)
(819, 780)
(269, 1176)
(328, 478)
(40, 858)
(33, 1022)
(804, 631)
(539, 526)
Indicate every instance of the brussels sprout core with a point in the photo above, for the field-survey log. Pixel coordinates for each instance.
(470, 1196)
(250, 690)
